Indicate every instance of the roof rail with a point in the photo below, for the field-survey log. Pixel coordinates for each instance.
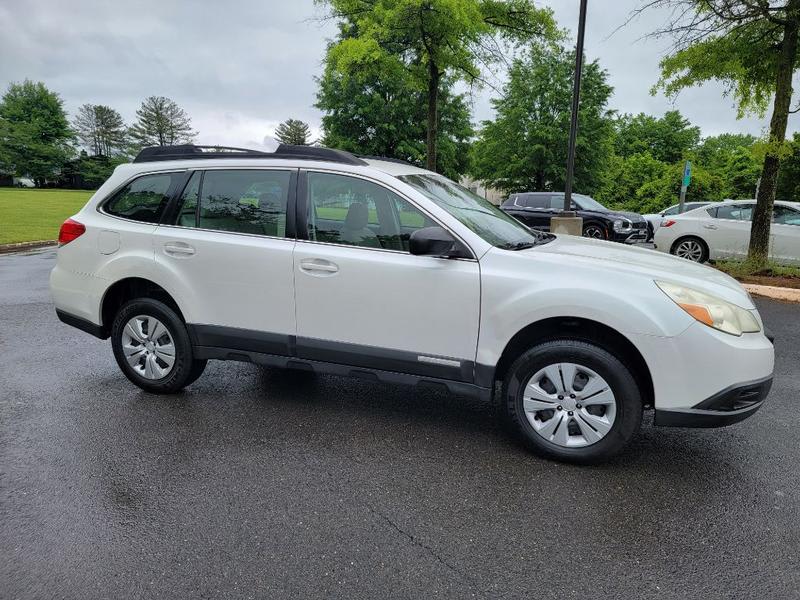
(386, 159)
(285, 151)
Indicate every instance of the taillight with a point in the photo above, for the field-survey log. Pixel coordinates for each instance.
(69, 231)
(668, 223)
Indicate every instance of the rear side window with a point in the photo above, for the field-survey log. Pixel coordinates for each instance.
(535, 201)
(736, 212)
(143, 199)
(240, 201)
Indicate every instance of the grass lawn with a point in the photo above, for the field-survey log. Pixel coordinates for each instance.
(35, 215)
(771, 274)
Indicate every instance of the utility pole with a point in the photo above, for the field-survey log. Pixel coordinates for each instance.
(569, 222)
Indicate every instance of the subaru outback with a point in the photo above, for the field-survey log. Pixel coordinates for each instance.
(316, 259)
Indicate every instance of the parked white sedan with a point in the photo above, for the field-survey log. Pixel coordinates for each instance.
(722, 231)
(656, 219)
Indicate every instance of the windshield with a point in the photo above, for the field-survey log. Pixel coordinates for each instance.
(481, 216)
(587, 203)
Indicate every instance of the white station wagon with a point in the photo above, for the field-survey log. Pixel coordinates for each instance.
(316, 259)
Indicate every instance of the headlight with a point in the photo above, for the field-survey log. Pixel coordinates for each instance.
(621, 225)
(710, 310)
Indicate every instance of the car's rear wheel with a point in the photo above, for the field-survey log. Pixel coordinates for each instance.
(152, 347)
(594, 230)
(691, 248)
(572, 401)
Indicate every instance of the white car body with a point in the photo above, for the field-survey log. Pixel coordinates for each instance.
(729, 238)
(425, 317)
(656, 219)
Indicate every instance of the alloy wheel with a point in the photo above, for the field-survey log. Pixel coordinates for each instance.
(690, 250)
(148, 347)
(593, 231)
(569, 405)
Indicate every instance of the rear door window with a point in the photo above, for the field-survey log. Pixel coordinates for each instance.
(734, 212)
(249, 201)
(536, 201)
(144, 198)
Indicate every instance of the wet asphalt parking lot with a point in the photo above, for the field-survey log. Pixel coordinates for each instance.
(259, 483)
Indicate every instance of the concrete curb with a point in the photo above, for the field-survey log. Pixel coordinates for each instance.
(25, 246)
(774, 292)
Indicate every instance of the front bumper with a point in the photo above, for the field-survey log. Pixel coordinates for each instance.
(635, 236)
(729, 406)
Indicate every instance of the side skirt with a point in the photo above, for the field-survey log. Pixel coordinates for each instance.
(329, 368)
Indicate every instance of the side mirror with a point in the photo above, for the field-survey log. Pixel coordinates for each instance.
(435, 241)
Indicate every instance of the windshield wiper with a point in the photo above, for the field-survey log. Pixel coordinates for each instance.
(517, 245)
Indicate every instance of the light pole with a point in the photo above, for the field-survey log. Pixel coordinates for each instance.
(569, 222)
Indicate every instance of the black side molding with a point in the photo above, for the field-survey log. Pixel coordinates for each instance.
(727, 407)
(97, 331)
(330, 368)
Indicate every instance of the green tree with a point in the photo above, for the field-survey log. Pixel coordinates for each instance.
(715, 151)
(34, 132)
(101, 129)
(788, 187)
(433, 40)
(625, 180)
(293, 131)
(525, 147)
(752, 47)
(668, 139)
(161, 122)
(382, 114)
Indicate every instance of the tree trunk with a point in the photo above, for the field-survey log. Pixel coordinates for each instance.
(758, 252)
(433, 115)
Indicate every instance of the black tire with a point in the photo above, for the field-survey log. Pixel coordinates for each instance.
(627, 398)
(694, 239)
(595, 231)
(185, 369)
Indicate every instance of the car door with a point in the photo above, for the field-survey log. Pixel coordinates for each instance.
(539, 211)
(728, 232)
(362, 299)
(785, 235)
(229, 253)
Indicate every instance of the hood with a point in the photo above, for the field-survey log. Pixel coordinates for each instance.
(614, 214)
(654, 265)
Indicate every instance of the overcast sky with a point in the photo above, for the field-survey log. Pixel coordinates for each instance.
(239, 67)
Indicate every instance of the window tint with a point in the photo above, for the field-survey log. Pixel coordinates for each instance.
(783, 215)
(143, 199)
(347, 210)
(536, 200)
(736, 212)
(241, 201)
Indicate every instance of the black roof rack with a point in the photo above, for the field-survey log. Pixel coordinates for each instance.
(192, 151)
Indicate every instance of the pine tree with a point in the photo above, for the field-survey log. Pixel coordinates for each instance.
(293, 131)
(161, 122)
(100, 129)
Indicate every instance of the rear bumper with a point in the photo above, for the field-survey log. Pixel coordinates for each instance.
(729, 406)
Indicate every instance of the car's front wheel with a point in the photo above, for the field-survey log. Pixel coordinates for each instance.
(152, 347)
(594, 230)
(573, 401)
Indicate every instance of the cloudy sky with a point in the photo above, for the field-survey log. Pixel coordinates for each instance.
(239, 67)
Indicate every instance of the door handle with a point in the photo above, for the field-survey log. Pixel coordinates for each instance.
(710, 226)
(318, 266)
(178, 249)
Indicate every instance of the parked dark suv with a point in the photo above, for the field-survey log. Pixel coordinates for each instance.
(535, 209)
